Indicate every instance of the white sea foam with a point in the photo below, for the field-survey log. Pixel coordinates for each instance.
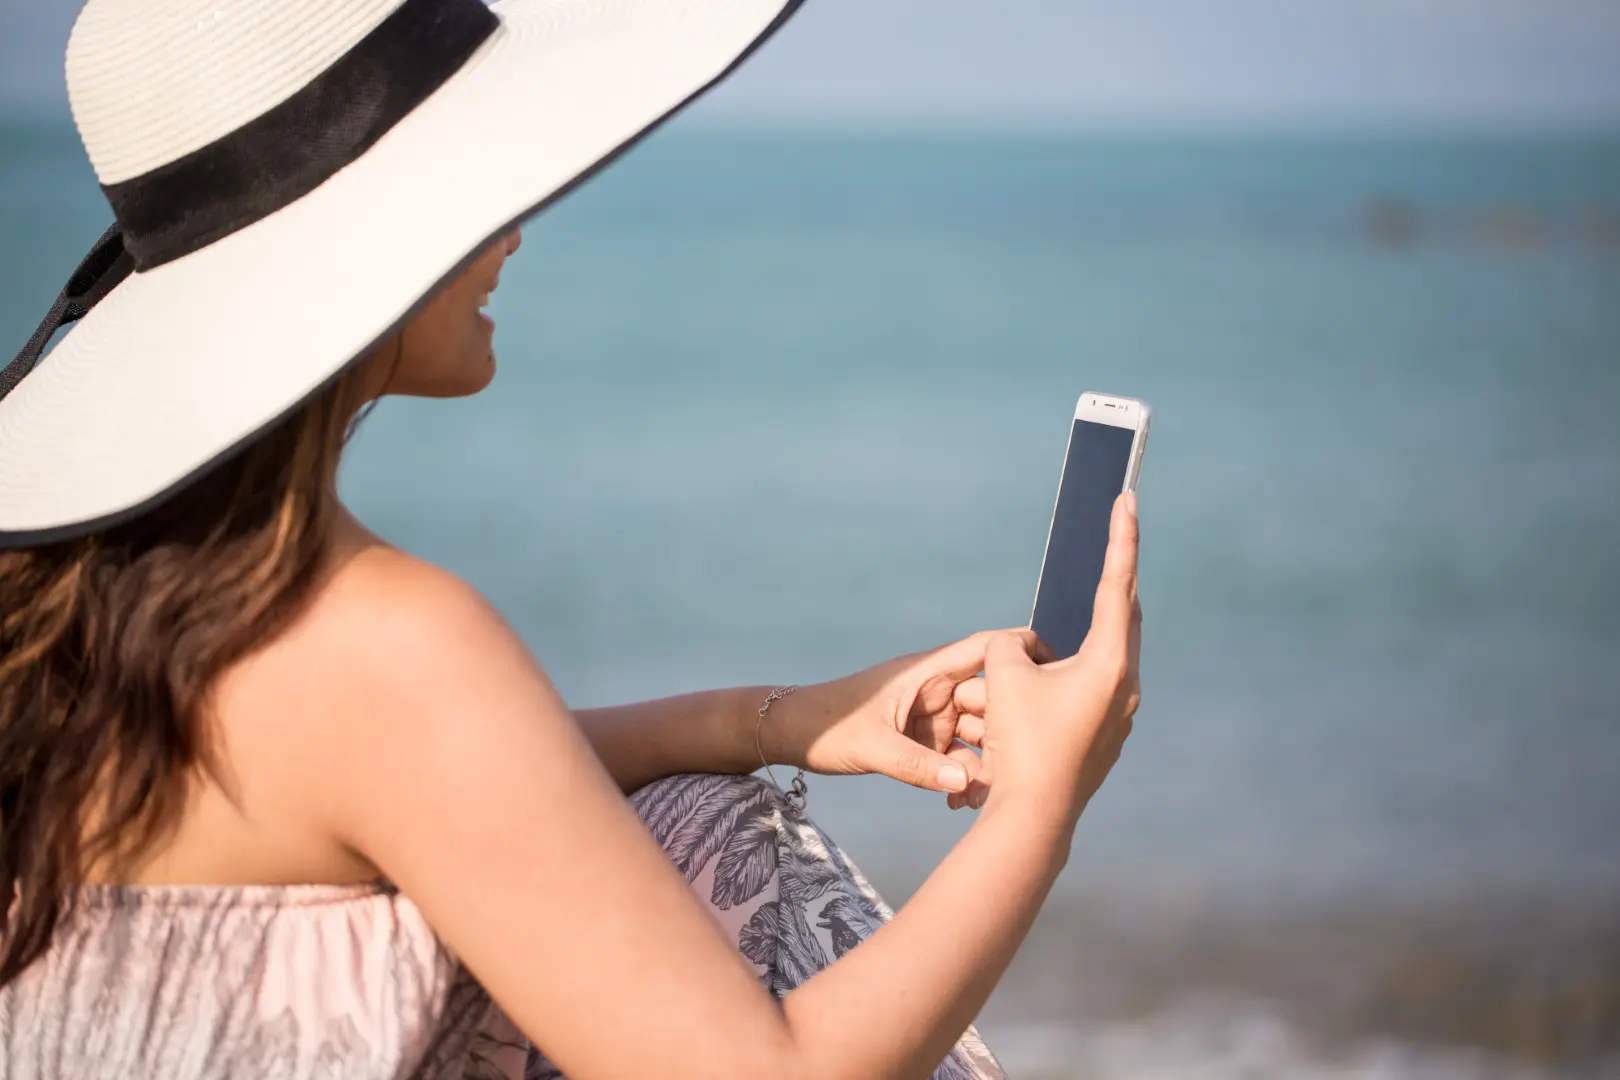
(1250, 1043)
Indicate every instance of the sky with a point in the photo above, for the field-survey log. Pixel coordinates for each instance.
(1509, 64)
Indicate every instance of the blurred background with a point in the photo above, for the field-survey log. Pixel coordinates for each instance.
(785, 393)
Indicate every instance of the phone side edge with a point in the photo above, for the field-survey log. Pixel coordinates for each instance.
(1133, 472)
(1068, 445)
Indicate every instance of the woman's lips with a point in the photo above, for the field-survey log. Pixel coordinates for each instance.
(483, 302)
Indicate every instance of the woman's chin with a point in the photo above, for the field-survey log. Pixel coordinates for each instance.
(471, 375)
(474, 381)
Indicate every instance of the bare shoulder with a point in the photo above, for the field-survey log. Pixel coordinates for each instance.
(390, 639)
(394, 669)
(392, 615)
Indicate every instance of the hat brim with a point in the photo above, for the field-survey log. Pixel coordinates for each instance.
(181, 365)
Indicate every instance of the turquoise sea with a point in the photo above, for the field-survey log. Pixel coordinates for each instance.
(773, 407)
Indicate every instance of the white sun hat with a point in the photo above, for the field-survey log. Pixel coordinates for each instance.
(291, 179)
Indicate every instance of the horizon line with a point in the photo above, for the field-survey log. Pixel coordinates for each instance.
(1349, 129)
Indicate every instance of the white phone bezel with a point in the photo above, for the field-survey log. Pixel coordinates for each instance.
(1115, 411)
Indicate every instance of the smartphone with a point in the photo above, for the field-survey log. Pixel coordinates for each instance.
(1104, 458)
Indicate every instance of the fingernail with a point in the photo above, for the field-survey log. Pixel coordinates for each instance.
(1130, 502)
(952, 777)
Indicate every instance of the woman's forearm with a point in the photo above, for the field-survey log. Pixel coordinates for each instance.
(709, 731)
(893, 1007)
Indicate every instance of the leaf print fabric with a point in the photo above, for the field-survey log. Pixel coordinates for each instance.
(664, 806)
(787, 895)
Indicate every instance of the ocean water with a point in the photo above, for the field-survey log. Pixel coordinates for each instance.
(773, 407)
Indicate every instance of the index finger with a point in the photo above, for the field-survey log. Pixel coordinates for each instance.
(1114, 608)
(1015, 648)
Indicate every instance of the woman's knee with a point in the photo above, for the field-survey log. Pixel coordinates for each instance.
(664, 804)
(714, 785)
(728, 782)
(695, 815)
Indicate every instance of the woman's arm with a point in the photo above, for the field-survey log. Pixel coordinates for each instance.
(461, 775)
(898, 718)
(466, 783)
(709, 731)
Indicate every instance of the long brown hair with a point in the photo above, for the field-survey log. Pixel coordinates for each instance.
(110, 645)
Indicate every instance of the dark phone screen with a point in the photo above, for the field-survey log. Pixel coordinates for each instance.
(1093, 477)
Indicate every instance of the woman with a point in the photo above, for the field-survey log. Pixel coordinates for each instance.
(279, 800)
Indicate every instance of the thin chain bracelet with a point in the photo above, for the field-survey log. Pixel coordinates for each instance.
(797, 793)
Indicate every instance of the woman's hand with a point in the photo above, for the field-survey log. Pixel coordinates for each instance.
(1053, 733)
(898, 718)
